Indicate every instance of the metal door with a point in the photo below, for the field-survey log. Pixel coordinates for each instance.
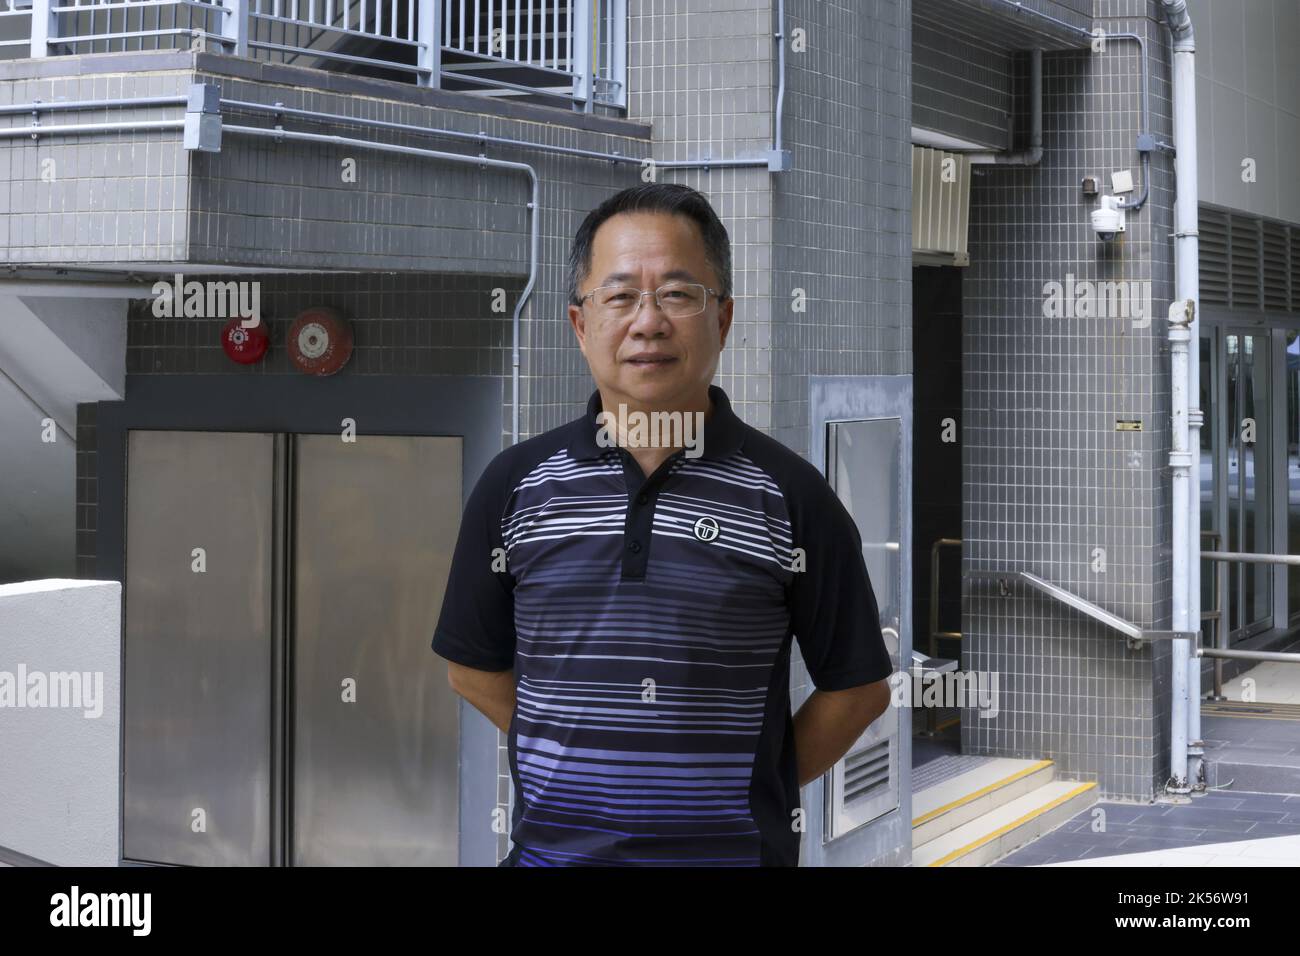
(198, 642)
(375, 726)
(863, 465)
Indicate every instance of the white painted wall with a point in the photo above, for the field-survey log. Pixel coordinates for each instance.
(58, 767)
(1248, 103)
(55, 351)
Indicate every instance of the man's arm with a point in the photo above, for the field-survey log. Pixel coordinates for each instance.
(829, 723)
(491, 692)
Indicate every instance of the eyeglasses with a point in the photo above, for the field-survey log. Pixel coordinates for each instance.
(678, 300)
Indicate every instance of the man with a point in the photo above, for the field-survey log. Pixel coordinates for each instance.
(631, 634)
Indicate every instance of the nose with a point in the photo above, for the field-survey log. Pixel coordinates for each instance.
(649, 320)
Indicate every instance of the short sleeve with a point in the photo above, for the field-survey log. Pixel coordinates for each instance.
(476, 626)
(833, 610)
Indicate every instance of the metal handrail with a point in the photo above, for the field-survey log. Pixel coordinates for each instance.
(580, 57)
(1135, 634)
(1218, 615)
(932, 715)
(1222, 651)
(935, 633)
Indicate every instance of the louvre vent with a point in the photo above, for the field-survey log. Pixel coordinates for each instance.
(1243, 262)
(1274, 266)
(866, 771)
(940, 206)
(1214, 257)
(1249, 263)
(1294, 269)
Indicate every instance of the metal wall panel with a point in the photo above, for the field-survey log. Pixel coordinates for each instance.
(863, 465)
(374, 780)
(196, 688)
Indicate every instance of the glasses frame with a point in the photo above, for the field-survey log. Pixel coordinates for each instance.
(655, 292)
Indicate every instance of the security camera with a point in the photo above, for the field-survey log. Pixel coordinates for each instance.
(1108, 221)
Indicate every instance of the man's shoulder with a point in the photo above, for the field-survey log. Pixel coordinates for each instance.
(514, 463)
(793, 474)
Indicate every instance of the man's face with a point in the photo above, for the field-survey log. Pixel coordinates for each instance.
(649, 360)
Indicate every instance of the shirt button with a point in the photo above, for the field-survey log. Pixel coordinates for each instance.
(635, 547)
(642, 498)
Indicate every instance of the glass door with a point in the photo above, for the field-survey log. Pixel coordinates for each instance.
(1292, 371)
(1248, 486)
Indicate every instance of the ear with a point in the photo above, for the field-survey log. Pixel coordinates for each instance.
(579, 323)
(725, 314)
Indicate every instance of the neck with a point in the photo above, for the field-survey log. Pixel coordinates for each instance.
(652, 434)
(695, 402)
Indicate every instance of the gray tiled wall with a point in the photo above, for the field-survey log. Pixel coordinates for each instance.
(140, 197)
(960, 87)
(1047, 477)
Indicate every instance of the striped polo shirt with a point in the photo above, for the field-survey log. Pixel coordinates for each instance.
(649, 621)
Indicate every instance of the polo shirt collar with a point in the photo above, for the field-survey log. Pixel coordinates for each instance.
(722, 429)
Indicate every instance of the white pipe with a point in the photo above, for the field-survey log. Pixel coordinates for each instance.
(1186, 752)
(1180, 460)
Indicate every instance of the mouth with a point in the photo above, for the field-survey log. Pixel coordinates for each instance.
(650, 360)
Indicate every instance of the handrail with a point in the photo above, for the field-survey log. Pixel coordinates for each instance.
(1250, 557)
(1218, 614)
(935, 633)
(1135, 635)
(579, 58)
(1222, 652)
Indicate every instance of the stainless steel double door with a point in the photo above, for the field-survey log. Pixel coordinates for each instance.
(281, 704)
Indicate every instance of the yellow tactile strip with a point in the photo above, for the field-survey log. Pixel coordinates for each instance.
(962, 851)
(1024, 772)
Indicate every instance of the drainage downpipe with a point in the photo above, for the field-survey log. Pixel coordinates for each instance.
(1032, 155)
(533, 207)
(1186, 769)
(1180, 462)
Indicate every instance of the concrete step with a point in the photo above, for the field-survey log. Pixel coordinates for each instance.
(1008, 826)
(951, 803)
(1252, 746)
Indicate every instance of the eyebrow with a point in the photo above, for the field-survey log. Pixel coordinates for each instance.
(628, 276)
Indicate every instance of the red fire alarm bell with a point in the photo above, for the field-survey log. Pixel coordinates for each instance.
(320, 341)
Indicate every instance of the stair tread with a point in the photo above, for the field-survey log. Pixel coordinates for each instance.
(999, 772)
(998, 818)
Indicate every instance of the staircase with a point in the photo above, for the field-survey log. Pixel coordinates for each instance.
(979, 816)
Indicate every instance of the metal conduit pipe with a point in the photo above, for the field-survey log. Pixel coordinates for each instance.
(54, 105)
(534, 205)
(14, 132)
(1032, 155)
(1186, 766)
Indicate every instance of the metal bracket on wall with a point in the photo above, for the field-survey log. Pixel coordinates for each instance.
(1135, 636)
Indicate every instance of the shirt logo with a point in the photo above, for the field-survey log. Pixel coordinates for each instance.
(706, 529)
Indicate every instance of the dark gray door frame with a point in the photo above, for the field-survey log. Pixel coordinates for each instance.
(468, 407)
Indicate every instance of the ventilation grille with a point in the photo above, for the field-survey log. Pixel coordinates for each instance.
(940, 206)
(1276, 271)
(1249, 263)
(1214, 257)
(1243, 262)
(1294, 269)
(865, 772)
